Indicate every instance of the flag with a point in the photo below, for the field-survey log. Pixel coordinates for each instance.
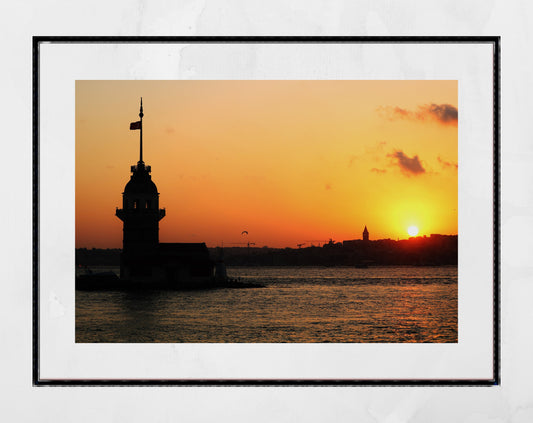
(135, 125)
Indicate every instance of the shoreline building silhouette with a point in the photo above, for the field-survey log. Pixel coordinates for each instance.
(143, 257)
(358, 242)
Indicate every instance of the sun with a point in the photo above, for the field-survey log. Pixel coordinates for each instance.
(412, 231)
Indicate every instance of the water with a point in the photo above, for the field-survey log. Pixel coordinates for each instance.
(297, 304)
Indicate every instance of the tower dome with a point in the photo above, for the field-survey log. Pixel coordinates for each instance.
(140, 181)
(140, 193)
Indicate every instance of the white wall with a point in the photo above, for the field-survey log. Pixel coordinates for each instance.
(512, 401)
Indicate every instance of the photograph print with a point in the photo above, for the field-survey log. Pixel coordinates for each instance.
(266, 211)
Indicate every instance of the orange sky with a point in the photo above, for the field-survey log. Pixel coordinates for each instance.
(287, 161)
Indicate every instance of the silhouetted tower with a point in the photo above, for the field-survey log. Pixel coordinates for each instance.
(140, 210)
(365, 234)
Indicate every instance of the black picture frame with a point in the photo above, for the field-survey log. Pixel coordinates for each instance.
(494, 380)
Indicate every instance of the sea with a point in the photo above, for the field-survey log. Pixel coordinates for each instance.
(297, 304)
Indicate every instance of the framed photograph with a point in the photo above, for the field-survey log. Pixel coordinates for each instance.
(266, 211)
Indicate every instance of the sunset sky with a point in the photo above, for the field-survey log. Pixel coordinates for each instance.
(288, 161)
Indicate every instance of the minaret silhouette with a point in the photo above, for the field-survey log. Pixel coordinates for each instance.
(365, 234)
(140, 213)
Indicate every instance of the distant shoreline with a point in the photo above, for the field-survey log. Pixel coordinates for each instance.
(437, 250)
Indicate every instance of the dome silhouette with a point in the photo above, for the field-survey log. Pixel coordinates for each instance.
(140, 183)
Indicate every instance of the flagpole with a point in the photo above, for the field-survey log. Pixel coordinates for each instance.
(141, 114)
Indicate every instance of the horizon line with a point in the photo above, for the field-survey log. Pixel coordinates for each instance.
(244, 245)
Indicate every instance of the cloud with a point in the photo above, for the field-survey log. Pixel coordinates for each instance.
(445, 114)
(408, 165)
(169, 130)
(394, 113)
(328, 187)
(445, 164)
(378, 171)
(401, 113)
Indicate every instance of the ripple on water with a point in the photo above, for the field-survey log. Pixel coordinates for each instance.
(404, 304)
